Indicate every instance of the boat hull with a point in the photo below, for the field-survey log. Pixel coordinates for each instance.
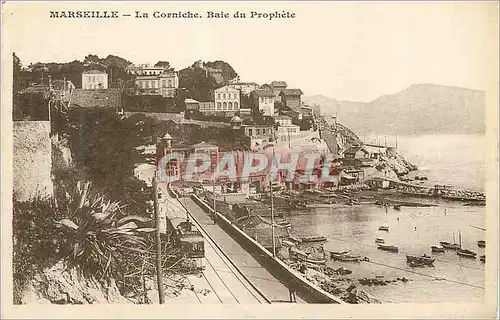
(449, 246)
(438, 249)
(425, 261)
(388, 248)
(466, 254)
(313, 239)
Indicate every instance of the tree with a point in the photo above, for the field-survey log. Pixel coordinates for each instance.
(16, 84)
(199, 85)
(228, 73)
(165, 65)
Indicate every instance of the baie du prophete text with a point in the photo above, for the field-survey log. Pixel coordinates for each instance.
(273, 15)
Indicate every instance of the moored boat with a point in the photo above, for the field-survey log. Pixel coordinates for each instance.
(344, 257)
(305, 257)
(287, 243)
(481, 243)
(450, 246)
(284, 224)
(482, 258)
(420, 260)
(466, 253)
(340, 252)
(379, 240)
(397, 207)
(383, 228)
(437, 249)
(389, 248)
(313, 239)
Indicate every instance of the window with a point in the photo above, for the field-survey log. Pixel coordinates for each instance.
(224, 96)
(219, 106)
(229, 96)
(218, 96)
(224, 106)
(262, 99)
(146, 84)
(170, 84)
(257, 131)
(236, 105)
(250, 132)
(230, 105)
(164, 83)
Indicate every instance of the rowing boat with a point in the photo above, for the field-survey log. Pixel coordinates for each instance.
(466, 253)
(389, 248)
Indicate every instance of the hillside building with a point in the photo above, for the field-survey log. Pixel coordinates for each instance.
(94, 79)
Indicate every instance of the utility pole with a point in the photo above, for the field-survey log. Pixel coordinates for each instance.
(159, 276)
(289, 146)
(272, 213)
(213, 196)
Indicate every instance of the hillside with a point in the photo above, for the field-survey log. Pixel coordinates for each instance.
(421, 108)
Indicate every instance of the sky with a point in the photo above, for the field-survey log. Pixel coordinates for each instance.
(349, 51)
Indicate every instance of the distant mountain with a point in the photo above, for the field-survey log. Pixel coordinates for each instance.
(421, 108)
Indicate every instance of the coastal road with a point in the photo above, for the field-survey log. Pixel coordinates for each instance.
(246, 263)
(220, 282)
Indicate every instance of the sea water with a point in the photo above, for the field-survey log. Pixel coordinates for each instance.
(455, 160)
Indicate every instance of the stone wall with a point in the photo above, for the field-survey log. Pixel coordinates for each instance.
(32, 162)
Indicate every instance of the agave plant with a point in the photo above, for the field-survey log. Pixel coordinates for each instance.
(98, 232)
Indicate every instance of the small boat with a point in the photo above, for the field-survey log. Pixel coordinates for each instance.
(450, 246)
(340, 252)
(313, 239)
(284, 224)
(312, 260)
(389, 248)
(437, 249)
(466, 253)
(420, 260)
(397, 207)
(294, 239)
(383, 228)
(287, 243)
(344, 257)
(379, 240)
(481, 243)
(482, 258)
(305, 257)
(343, 271)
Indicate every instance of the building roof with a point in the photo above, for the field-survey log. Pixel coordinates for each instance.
(203, 145)
(94, 72)
(244, 83)
(282, 117)
(263, 93)
(226, 87)
(278, 83)
(291, 92)
(190, 101)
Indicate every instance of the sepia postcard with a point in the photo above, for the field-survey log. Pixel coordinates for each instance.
(249, 159)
